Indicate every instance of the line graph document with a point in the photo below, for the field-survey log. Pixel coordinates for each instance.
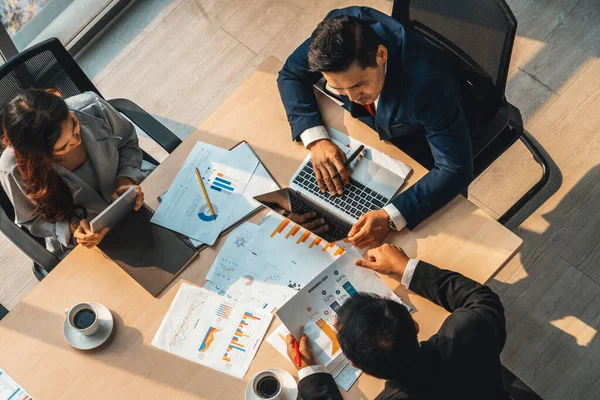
(239, 270)
(225, 175)
(212, 330)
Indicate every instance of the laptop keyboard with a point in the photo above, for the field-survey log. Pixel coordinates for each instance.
(356, 200)
(338, 228)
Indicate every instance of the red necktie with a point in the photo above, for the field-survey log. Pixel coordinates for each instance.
(370, 109)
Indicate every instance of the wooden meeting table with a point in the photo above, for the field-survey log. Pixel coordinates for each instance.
(33, 351)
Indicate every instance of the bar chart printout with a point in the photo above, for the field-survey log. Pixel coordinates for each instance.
(212, 330)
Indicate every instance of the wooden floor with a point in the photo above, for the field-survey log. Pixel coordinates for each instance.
(180, 59)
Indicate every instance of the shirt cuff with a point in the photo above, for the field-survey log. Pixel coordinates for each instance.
(313, 134)
(409, 272)
(397, 218)
(314, 369)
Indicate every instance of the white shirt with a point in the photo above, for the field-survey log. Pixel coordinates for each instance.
(406, 279)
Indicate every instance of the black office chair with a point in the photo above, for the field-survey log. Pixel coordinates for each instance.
(49, 65)
(479, 35)
(3, 312)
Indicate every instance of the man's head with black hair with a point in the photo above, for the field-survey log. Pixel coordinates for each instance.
(351, 57)
(378, 336)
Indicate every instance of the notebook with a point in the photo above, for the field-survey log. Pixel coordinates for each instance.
(150, 254)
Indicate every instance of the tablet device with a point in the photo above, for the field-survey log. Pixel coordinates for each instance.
(115, 211)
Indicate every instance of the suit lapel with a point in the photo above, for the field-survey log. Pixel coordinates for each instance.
(102, 151)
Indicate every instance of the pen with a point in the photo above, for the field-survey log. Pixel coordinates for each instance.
(205, 194)
(297, 350)
(350, 159)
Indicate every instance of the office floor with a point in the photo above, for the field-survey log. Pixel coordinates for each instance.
(179, 59)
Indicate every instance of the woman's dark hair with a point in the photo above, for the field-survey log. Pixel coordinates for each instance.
(379, 336)
(32, 123)
(339, 42)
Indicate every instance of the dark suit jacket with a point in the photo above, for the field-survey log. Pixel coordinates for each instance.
(461, 361)
(421, 93)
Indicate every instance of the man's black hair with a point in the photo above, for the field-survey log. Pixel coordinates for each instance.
(339, 42)
(378, 335)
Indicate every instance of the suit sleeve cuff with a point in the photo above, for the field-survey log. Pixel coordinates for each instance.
(314, 369)
(313, 134)
(397, 218)
(409, 271)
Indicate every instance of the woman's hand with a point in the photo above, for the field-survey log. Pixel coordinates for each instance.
(86, 237)
(123, 184)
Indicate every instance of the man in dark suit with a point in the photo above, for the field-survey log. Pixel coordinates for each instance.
(379, 336)
(400, 85)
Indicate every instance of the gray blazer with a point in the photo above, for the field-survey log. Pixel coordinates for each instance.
(112, 147)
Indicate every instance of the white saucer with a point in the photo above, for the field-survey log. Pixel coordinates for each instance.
(290, 387)
(82, 342)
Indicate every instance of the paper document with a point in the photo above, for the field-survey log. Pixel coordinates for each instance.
(313, 311)
(350, 144)
(184, 208)
(10, 390)
(211, 330)
(297, 254)
(260, 182)
(237, 296)
(240, 271)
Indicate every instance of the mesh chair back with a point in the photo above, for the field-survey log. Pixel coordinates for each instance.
(45, 65)
(479, 35)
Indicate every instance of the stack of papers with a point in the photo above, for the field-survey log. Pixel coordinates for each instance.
(272, 261)
(213, 330)
(231, 178)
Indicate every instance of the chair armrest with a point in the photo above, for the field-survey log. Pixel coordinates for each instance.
(515, 118)
(157, 131)
(27, 244)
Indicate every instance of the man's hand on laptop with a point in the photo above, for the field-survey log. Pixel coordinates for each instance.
(370, 230)
(310, 221)
(327, 159)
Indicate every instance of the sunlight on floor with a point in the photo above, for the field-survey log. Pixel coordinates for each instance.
(582, 332)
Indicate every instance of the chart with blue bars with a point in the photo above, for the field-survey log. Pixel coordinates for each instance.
(222, 183)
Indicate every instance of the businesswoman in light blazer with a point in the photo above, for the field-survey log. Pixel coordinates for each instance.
(64, 161)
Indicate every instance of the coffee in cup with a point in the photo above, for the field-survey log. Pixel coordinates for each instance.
(83, 317)
(268, 385)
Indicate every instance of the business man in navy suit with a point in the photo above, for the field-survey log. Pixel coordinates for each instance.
(400, 85)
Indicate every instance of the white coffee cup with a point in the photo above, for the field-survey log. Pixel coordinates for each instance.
(83, 322)
(265, 380)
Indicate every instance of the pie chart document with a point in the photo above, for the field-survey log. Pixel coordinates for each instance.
(225, 175)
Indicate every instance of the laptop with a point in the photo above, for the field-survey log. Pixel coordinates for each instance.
(371, 187)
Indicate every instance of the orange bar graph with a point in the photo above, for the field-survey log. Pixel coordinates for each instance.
(303, 238)
(328, 245)
(330, 334)
(317, 241)
(339, 252)
(281, 227)
(293, 231)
